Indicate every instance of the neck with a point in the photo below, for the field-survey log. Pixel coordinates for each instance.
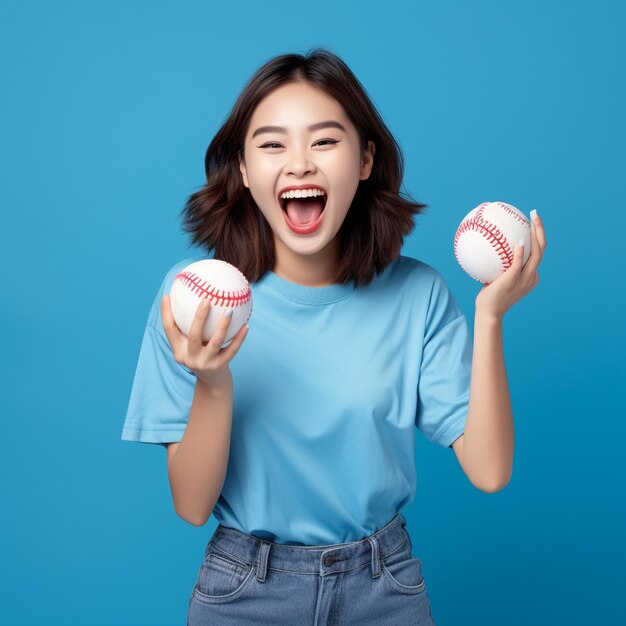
(313, 270)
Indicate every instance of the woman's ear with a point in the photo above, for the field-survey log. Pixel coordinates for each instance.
(244, 174)
(367, 162)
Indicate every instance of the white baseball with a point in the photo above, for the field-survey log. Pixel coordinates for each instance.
(485, 239)
(226, 289)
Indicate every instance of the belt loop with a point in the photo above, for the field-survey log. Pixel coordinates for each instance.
(261, 568)
(375, 556)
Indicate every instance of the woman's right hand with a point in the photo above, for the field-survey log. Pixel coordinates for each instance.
(209, 361)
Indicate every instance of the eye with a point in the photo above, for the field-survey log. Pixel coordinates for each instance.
(274, 145)
(328, 141)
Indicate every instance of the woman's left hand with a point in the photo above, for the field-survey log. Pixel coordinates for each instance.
(496, 298)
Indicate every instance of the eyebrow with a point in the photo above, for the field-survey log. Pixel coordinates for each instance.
(281, 129)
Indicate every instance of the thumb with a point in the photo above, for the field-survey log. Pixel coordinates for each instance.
(518, 256)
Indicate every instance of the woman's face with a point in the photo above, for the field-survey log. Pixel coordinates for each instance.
(299, 136)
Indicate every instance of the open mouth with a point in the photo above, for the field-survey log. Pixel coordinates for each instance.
(304, 211)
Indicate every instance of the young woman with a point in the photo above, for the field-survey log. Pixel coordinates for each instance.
(303, 445)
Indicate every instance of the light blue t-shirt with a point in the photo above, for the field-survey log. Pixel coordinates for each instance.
(329, 386)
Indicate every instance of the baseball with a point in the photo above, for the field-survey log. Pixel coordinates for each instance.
(224, 286)
(485, 239)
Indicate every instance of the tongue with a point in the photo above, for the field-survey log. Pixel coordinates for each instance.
(303, 211)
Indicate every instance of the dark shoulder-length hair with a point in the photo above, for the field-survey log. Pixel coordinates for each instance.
(222, 216)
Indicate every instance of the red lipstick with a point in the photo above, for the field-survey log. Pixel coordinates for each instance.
(307, 228)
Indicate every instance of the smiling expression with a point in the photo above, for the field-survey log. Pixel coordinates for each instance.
(300, 137)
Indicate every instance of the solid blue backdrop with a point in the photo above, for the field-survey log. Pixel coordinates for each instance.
(107, 111)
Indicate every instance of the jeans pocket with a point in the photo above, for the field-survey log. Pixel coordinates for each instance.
(222, 577)
(403, 571)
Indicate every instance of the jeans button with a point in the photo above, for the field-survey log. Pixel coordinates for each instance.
(329, 560)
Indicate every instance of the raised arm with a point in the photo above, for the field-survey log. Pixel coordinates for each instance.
(197, 465)
(485, 450)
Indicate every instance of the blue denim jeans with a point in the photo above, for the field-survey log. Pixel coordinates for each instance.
(248, 580)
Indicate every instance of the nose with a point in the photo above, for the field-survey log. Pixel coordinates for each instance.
(299, 162)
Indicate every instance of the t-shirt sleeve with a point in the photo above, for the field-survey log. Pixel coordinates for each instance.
(162, 390)
(445, 369)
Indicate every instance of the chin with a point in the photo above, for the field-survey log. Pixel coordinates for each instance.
(306, 248)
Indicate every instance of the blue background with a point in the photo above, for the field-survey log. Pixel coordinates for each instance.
(106, 113)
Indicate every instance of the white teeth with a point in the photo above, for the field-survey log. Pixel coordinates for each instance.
(302, 193)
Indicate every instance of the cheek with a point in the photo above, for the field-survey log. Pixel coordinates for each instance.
(261, 179)
(260, 197)
(347, 168)
(346, 182)
(257, 164)
(263, 196)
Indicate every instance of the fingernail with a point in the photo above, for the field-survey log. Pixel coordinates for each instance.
(521, 242)
(228, 313)
(204, 303)
(533, 214)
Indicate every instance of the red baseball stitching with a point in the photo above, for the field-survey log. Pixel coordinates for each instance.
(515, 214)
(219, 297)
(494, 236)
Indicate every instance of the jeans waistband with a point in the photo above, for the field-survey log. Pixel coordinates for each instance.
(323, 559)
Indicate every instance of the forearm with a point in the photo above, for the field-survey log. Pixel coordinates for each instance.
(489, 435)
(198, 468)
